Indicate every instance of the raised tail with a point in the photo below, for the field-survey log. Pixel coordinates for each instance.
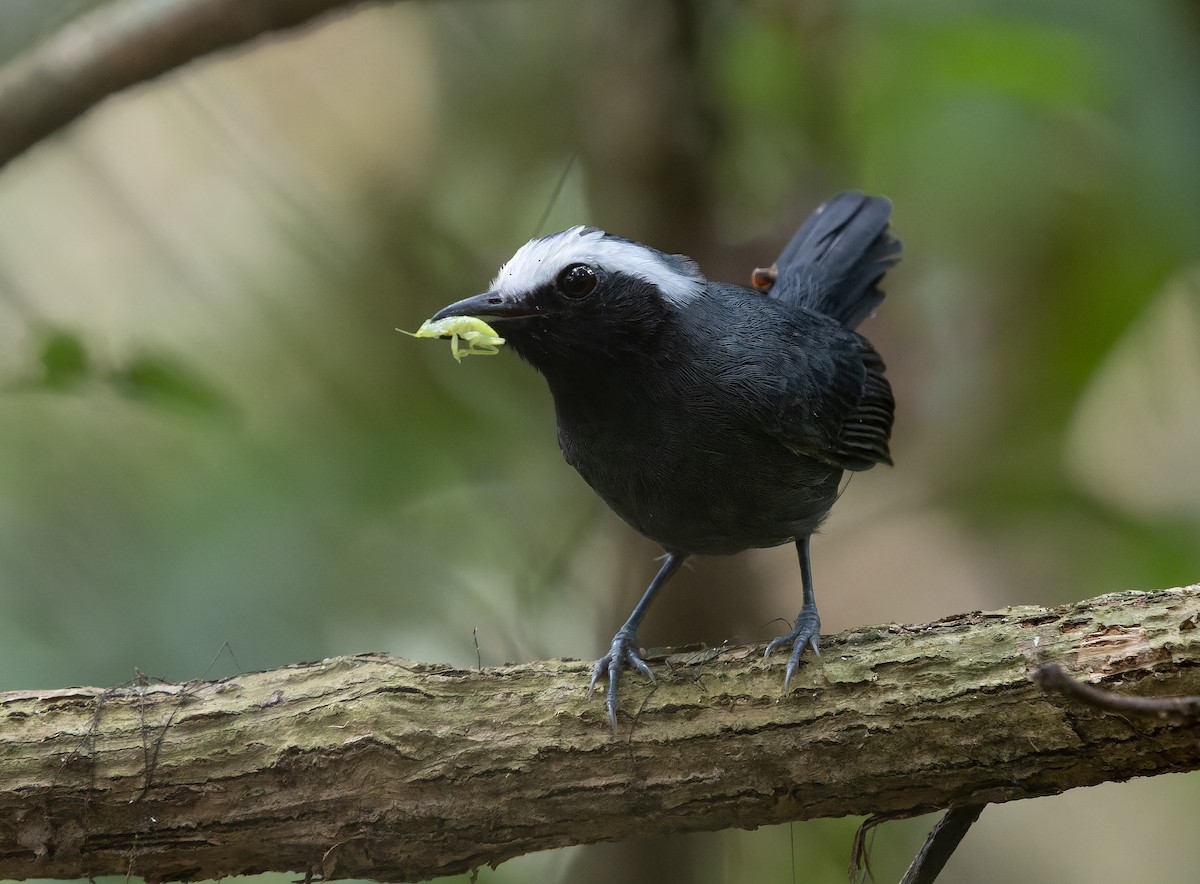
(834, 262)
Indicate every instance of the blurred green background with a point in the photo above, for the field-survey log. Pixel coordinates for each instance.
(212, 437)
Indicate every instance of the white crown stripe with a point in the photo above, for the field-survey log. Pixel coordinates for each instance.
(539, 261)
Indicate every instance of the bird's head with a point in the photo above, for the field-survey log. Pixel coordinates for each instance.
(582, 296)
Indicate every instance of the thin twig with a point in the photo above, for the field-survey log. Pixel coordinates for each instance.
(1052, 677)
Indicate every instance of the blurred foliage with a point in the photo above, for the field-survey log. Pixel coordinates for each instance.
(26, 22)
(211, 435)
(64, 361)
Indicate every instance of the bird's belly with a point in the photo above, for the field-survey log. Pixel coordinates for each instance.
(702, 499)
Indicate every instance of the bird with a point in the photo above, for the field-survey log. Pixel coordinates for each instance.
(711, 417)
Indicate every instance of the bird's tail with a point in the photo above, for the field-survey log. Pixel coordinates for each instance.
(834, 262)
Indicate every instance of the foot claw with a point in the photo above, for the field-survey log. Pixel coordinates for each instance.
(624, 651)
(805, 634)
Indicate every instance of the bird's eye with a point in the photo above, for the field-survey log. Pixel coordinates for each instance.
(576, 281)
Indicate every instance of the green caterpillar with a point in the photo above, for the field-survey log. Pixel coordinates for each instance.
(480, 338)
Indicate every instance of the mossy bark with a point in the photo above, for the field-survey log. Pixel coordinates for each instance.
(375, 767)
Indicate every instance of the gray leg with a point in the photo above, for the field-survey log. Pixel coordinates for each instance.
(807, 631)
(624, 648)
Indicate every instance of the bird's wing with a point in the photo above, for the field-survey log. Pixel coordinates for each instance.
(827, 397)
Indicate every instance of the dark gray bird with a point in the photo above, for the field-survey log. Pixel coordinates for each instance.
(711, 417)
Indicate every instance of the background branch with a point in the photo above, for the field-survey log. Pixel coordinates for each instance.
(1052, 677)
(122, 44)
(376, 767)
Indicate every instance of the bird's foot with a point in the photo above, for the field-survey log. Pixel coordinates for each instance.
(805, 634)
(624, 651)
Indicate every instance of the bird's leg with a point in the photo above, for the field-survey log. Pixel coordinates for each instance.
(807, 631)
(624, 647)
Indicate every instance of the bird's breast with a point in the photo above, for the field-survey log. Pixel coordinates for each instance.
(693, 480)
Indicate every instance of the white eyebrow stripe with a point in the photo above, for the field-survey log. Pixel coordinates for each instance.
(539, 261)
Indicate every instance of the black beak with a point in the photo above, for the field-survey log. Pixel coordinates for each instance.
(490, 304)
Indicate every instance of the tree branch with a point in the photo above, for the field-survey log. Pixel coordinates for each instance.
(124, 43)
(375, 767)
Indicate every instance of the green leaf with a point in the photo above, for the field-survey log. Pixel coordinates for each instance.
(159, 381)
(64, 360)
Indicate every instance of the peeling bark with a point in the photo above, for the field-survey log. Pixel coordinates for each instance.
(376, 767)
